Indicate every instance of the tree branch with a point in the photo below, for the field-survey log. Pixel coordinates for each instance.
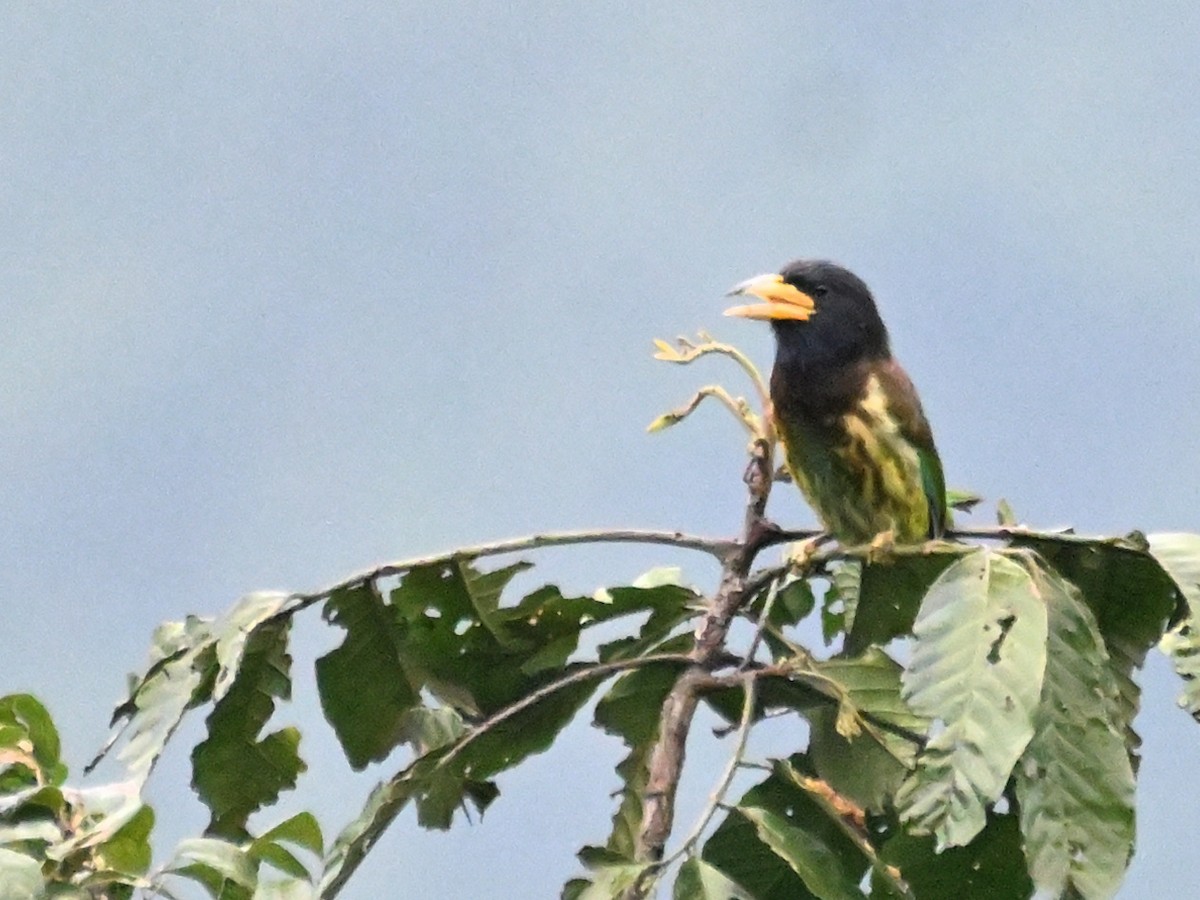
(396, 797)
(715, 547)
(666, 758)
(717, 797)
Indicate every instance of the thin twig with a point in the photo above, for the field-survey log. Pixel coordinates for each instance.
(740, 409)
(688, 352)
(764, 619)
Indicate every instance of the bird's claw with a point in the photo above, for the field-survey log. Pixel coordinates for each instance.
(800, 553)
(882, 547)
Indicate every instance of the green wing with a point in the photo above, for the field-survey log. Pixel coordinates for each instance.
(934, 484)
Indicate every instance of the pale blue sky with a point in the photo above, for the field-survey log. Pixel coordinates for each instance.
(292, 288)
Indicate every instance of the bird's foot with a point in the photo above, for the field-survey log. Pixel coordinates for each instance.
(799, 554)
(882, 547)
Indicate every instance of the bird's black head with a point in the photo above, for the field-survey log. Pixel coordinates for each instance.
(820, 312)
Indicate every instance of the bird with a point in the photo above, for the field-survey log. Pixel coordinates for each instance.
(855, 438)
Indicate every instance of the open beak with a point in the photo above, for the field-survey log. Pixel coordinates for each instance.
(782, 300)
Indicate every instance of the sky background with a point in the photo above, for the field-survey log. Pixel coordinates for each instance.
(291, 288)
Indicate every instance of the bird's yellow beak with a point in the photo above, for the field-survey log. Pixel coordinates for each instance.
(783, 301)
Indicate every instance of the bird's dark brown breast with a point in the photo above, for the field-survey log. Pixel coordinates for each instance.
(817, 395)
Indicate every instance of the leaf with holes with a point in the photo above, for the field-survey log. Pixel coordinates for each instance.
(977, 666)
(990, 867)
(1074, 782)
(448, 647)
(233, 771)
(363, 685)
(1132, 599)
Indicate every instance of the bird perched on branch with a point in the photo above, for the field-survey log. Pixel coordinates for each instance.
(856, 440)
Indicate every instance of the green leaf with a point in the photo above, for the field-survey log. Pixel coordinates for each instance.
(627, 820)
(840, 601)
(1179, 556)
(20, 877)
(427, 729)
(25, 725)
(1132, 599)
(234, 629)
(180, 676)
(781, 843)
(479, 667)
(818, 867)
(490, 749)
(446, 646)
(447, 636)
(480, 670)
(889, 596)
(962, 500)
(363, 685)
(213, 863)
(788, 600)
(1075, 784)
(291, 889)
(977, 666)
(278, 856)
(1182, 646)
(990, 867)
(234, 773)
(301, 830)
(34, 831)
(867, 767)
(353, 842)
(631, 710)
(442, 779)
(670, 604)
(698, 880)
(128, 851)
(105, 810)
(609, 882)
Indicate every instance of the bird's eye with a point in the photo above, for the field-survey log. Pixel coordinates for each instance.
(821, 290)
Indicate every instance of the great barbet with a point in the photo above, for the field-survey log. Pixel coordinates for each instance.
(856, 440)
